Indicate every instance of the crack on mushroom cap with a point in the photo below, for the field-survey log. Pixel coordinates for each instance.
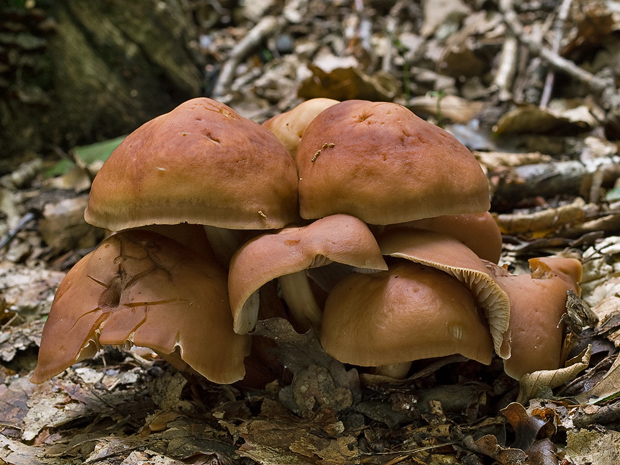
(136, 305)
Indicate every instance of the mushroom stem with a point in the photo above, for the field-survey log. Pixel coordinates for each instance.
(224, 243)
(303, 309)
(394, 370)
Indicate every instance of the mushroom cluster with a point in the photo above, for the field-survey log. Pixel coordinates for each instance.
(356, 219)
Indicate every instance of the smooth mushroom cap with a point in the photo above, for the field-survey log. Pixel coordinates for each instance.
(201, 163)
(451, 256)
(478, 231)
(289, 127)
(408, 313)
(337, 238)
(141, 288)
(538, 301)
(383, 164)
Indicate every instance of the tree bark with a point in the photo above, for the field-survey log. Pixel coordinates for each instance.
(78, 71)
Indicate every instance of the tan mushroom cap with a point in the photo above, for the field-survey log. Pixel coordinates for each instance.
(337, 238)
(289, 127)
(142, 288)
(408, 313)
(451, 256)
(538, 301)
(478, 231)
(383, 164)
(201, 163)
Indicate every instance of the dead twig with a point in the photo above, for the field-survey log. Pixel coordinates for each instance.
(554, 60)
(10, 235)
(263, 29)
(548, 180)
(557, 41)
(507, 68)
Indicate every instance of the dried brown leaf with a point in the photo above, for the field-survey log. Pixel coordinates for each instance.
(542, 222)
(607, 388)
(348, 83)
(489, 446)
(541, 382)
(526, 426)
(534, 119)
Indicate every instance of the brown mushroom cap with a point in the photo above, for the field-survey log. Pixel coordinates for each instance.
(201, 163)
(337, 238)
(408, 313)
(478, 231)
(289, 127)
(142, 288)
(383, 164)
(446, 253)
(538, 301)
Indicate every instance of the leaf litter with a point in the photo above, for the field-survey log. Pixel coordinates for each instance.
(477, 73)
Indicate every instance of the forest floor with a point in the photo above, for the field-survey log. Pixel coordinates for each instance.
(530, 89)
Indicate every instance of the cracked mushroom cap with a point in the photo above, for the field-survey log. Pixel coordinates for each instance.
(337, 238)
(141, 288)
(451, 256)
(201, 163)
(408, 313)
(289, 127)
(383, 164)
(538, 301)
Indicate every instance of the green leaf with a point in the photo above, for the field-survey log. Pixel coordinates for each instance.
(88, 154)
(99, 151)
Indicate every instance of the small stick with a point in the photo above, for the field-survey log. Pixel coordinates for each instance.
(10, 235)
(257, 34)
(554, 60)
(557, 41)
(507, 68)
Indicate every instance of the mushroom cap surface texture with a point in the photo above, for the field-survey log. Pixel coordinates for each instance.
(201, 163)
(336, 238)
(289, 127)
(408, 313)
(383, 164)
(538, 301)
(142, 288)
(478, 231)
(451, 256)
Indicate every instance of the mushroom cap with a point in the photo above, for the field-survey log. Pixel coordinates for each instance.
(383, 164)
(451, 256)
(289, 127)
(478, 231)
(408, 313)
(538, 301)
(201, 163)
(336, 238)
(142, 288)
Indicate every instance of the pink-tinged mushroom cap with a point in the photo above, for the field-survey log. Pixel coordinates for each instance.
(538, 301)
(142, 288)
(383, 164)
(478, 231)
(408, 313)
(289, 127)
(337, 238)
(201, 163)
(451, 256)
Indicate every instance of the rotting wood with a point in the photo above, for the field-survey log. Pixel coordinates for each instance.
(569, 178)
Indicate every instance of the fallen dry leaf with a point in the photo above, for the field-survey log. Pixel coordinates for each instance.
(541, 382)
